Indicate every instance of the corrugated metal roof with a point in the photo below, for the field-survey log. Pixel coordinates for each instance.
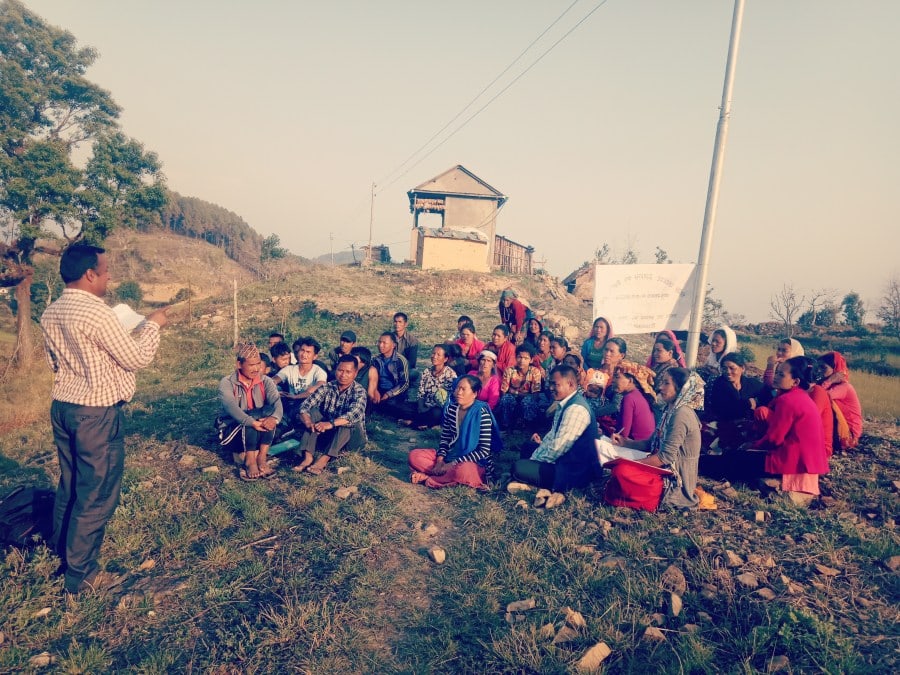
(452, 234)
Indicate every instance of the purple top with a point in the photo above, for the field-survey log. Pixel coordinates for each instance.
(635, 418)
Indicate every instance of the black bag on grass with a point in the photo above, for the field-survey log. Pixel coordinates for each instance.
(26, 514)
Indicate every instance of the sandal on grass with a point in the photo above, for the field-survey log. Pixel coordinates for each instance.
(243, 475)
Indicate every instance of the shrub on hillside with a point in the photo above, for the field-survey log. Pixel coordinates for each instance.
(130, 292)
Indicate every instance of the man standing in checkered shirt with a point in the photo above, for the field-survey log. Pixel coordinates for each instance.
(94, 360)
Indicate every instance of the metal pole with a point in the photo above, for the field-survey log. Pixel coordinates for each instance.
(371, 223)
(331, 238)
(712, 195)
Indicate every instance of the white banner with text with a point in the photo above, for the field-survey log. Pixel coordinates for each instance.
(644, 298)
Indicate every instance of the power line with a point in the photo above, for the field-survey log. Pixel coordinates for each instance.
(479, 94)
(496, 96)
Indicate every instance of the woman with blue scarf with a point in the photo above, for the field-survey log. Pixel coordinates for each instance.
(469, 438)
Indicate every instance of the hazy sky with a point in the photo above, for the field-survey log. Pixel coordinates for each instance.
(286, 112)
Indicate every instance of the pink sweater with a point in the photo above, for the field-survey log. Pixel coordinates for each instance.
(794, 436)
(844, 395)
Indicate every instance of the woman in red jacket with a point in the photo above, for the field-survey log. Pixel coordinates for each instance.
(794, 439)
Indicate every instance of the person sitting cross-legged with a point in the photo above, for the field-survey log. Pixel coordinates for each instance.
(333, 418)
(520, 391)
(388, 390)
(469, 438)
(251, 409)
(566, 456)
(434, 390)
(301, 380)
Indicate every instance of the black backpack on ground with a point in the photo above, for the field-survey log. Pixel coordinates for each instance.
(26, 516)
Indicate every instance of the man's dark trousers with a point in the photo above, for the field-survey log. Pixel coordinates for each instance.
(90, 442)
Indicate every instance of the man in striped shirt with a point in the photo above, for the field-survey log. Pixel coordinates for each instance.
(94, 360)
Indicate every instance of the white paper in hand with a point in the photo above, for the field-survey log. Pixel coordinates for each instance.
(127, 317)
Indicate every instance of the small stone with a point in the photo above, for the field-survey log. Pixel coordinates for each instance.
(706, 540)
(760, 516)
(343, 493)
(430, 530)
(691, 628)
(211, 469)
(151, 613)
(704, 616)
(548, 631)
(654, 634)
(766, 594)
(574, 619)
(730, 492)
(675, 604)
(657, 619)
(342, 470)
(612, 561)
(605, 527)
(521, 605)
(148, 564)
(759, 561)
(826, 571)
(554, 500)
(515, 487)
(187, 460)
(673, 580)
(585, 548)
(42, 660)
(778, 664)
(522, 504)
(733, 559)
(438, 555)
(41, 613)
(892, 563)
(675, 530)
(747, 579)
(809, 538)
(592, 658)
(270, 552)
(896, 484)
(871, 516)
(565, 634)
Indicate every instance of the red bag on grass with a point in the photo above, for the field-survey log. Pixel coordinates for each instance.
(635, 485)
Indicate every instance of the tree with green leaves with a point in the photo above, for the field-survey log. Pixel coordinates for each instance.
(854, 310)
(48, 108)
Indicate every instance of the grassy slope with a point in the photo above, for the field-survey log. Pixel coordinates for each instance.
(282, 575)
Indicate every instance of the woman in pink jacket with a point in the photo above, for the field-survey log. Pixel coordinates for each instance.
(793, 440)
(837, 383)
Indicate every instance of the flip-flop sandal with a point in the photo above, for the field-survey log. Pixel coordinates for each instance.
(243, 475)
(266, 476)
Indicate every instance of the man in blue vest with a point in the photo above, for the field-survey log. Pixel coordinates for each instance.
(566, 457)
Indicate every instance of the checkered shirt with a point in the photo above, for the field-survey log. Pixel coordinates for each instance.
(94, 358)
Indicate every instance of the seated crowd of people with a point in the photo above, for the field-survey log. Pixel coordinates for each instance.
(586, 413)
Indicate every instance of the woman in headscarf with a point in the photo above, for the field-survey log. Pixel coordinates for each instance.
(784, 350)
(469, 438)
(593, 349)
(793, 439)
(489, 377)
(513, 313)
(672, 346)
(662, 357)
(503, 347)
(675, 443)
(723, 341)
(836, 381)
(251, 409)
